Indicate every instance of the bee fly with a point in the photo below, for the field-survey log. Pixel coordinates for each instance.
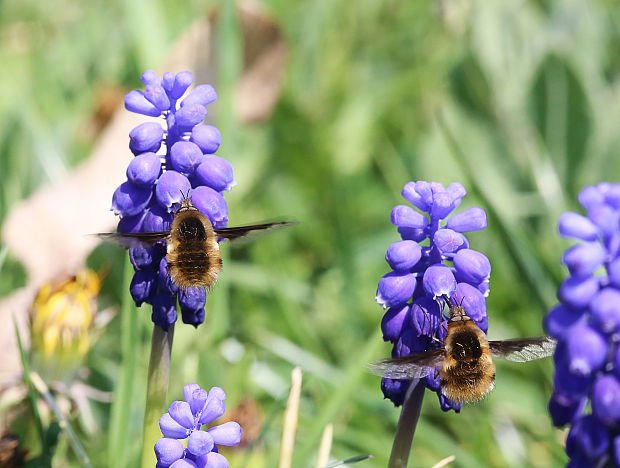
(192, 251)
(465, 365)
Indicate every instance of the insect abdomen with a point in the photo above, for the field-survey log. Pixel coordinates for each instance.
(193, 257)
(467, 381)
(468, 372)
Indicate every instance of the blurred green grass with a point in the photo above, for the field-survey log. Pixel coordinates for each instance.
(516, 100)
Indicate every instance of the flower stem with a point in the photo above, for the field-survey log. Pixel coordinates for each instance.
(406, 425)
(157, 387)
(32, 395)
(120, 421)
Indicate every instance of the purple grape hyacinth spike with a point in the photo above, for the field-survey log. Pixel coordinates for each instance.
(432, 260)
(184, 420)
(173, 157)
(586, 324)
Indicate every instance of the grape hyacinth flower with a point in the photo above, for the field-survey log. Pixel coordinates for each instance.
(157, 182)
(433, 259)
(184, 420)
(586, 324)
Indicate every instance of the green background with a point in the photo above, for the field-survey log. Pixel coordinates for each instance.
(516, 100)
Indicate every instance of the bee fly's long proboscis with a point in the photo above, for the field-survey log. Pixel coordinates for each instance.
(192, 250)
(464, 362)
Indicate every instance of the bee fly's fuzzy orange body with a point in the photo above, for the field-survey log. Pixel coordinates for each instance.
(467, 372)
(464, 361)
(193, 254)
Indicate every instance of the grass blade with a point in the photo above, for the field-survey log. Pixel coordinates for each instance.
(121, 406)
(343, 393)
(38, 383)
(32, 395)
(529, 267)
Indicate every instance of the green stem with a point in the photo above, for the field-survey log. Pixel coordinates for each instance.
(406, 425)
(118, 439)
(157, 387)
(32, 395)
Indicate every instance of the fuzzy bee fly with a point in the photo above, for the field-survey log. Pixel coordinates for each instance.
(192, 251)
(464, 361)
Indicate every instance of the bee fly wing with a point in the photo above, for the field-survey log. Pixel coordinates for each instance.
(252, 231)
(415, 366)
(523, 349)
(133, 239)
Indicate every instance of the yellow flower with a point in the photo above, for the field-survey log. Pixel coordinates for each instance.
(62, 314)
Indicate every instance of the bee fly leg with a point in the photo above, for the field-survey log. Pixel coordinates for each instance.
(433, 337)
(424, 319)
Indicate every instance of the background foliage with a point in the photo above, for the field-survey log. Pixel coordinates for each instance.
(517, 100)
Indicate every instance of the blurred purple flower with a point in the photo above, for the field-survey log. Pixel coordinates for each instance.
(184, 420)
(586, 324)
(156, 183)
(422, 273)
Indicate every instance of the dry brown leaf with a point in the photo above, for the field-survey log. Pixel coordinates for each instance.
(263, 69)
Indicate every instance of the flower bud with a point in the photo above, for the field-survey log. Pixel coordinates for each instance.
(449, 241)
(171, 428)
(577, 291)
(185, 157)
(228, 433)
(584, 259)
(404, 216)
(577, 226)
(135, 101)
(171, 188)
(200, 443)
(201, 95)
(207, 137)
(439, 280)
(472, 219)
(164, 311)
(472, 266)
(606, 400)
(156, 95)
(143, 285)
(188, 116)
(182, 81)
(146, 137)
(216, 173)
(395, 288)
(394, 321)
(168, 450)
(403, 255)
(144, 169)
(212, 205)
(130, 199)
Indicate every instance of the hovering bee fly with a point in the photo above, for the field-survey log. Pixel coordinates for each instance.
(192, 252)
(465, 365)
